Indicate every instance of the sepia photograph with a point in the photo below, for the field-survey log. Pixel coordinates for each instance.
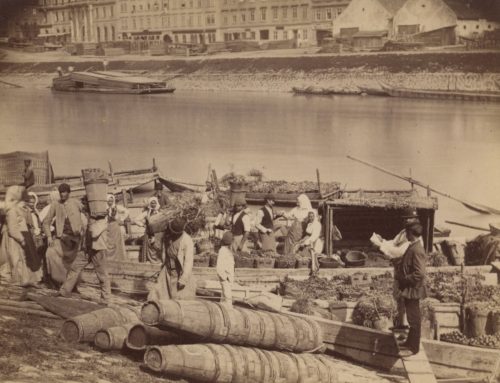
(250, 191)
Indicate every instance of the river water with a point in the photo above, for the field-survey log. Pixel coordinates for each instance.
(453, 146)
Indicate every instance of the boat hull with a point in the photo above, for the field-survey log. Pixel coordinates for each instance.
(443, 95)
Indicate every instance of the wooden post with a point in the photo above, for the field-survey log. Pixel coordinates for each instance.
(154, 165)
(215, 181)
(319, 181)
(111, 173)
(125, 203)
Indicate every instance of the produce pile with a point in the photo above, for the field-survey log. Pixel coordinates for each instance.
(256, 185)
(490, 341)
(370, 309)
(444, 287)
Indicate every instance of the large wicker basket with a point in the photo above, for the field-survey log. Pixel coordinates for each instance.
(285, 262)
(264, 263)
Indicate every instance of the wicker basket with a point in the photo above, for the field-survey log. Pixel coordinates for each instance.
(201, 261)
(264, 263)
(241, 262)
(285, 263)
(355, 259)
(303, 262)
(328, 263)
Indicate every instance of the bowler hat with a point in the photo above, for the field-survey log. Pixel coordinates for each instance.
(177, 225)
(227, 238)
(409, 213)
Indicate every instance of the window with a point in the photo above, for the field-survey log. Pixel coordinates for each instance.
(275, 35)
(304, 34)
(465, 26)
(263, 14)
(304, 12)
(235, 19)
(318, 14)
(224, 20)
(328, 13)
(285, 12)
(339, 11)
(134, 23)
(275, 13)
(294, 12)
(285, 35)
(252, 14)
(111, 11)
(243, 17)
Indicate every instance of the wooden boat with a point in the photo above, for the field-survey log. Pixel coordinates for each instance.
(461, 95)
(109, 82)
(316, 90)
(373, 91)
(378, 349)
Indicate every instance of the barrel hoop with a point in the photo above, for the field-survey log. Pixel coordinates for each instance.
(231, 351)
(328, 368)
(262, 327)
(262, 362)
(216, 361)
(316, 330)
(183, 357)
(212, 316)
(296, 332)
(277, 342)
(246, 321)
(181, 311)
(274, 374)
(297, 361)
(225, 317)
(238, 350)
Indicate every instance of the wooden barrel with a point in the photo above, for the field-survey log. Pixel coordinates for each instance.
(112, 338)
(93, 174)
(97, 192)
(140, 336)
(232, 364)
(220, 324)
(159, 222)
(83, 328)
(454, 251)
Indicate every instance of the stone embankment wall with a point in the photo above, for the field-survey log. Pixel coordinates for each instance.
(454, 70)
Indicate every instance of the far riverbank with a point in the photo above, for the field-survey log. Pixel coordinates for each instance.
(475, 71)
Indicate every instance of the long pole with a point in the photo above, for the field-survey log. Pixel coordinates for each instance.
(473, 206)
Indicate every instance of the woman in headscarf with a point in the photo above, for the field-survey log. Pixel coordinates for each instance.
(17, 242)
(152, 243)
(116, 216)
(298, 215)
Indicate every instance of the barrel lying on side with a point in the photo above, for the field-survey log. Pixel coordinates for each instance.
(112, 338)
(83, 328)
(233, 364)
(140, 336)
(217, 323)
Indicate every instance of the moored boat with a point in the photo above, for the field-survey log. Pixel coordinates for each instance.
(110, 82)
(461, 95)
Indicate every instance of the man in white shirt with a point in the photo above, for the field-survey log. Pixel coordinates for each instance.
(265, 225)
(225, 268)
(241, 228)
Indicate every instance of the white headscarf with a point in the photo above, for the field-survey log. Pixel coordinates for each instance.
(31, 194)
(13, 196)
(157, 207)
(302, 210)
(112, 197)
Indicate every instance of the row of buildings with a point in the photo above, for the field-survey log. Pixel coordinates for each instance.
(304, 22)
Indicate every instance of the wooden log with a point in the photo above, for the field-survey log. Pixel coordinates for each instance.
(21, 304)
(21, 310)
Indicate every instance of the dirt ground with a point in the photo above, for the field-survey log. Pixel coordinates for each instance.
(32, 351)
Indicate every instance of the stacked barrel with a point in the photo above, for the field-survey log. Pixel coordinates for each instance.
(210, 342)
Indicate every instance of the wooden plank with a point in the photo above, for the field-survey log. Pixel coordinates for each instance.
(418, 368)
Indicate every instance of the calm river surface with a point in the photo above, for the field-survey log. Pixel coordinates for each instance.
(453, 146)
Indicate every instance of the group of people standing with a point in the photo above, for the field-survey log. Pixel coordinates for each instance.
(301, 226)
(55, 244)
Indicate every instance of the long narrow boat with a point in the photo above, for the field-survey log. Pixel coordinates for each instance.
(377, 349)
(109, 82)
(461, 95)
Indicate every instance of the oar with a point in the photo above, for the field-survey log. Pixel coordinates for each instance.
(470, 205)
(468, 226)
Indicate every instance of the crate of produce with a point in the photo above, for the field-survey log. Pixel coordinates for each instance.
(201, 261)
(244, 262)
(264, 263)
(285, 262)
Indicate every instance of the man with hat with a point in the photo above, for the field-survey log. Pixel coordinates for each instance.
(241, 227)
(394, 250)
(70, 225)
(265, 225)
(410, 274)
(175, 280)
(225, 268)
